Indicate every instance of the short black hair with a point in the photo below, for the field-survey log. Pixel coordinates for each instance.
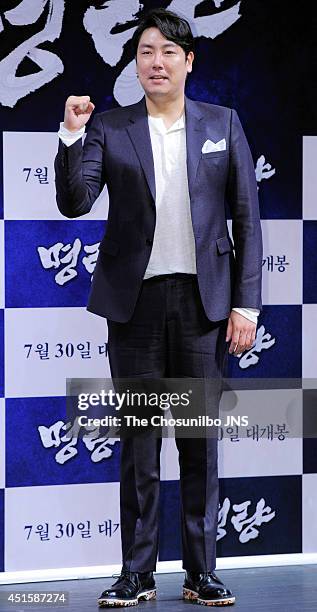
(171, 25)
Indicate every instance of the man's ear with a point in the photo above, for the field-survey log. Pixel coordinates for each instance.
(189, 61)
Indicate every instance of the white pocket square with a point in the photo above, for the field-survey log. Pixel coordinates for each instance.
(209, 146)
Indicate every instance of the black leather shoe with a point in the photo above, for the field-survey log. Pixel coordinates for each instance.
(129, 589)
(207, 589)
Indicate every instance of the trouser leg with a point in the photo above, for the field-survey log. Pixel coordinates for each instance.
(137, 350)
(197, 349)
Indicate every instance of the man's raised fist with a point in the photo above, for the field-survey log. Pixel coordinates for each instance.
(77, 112)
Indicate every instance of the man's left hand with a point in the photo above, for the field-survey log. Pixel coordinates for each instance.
(241, 332)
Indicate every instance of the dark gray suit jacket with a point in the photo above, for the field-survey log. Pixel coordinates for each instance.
(117, 151)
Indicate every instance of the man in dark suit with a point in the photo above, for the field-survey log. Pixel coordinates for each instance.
(177, 296)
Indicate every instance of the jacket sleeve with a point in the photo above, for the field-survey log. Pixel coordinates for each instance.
(242, 198)
(79, 172)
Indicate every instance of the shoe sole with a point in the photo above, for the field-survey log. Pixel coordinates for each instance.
(194, 597)
(120, 603)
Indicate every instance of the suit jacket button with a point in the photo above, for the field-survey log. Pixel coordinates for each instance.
(149, 242)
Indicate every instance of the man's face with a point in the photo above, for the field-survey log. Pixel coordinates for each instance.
(162, 65)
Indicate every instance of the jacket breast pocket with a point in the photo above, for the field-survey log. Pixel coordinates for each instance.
(214, 154)
(109, 246)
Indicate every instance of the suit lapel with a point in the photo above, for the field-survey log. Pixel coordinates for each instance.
(194, 128)
(139, 133)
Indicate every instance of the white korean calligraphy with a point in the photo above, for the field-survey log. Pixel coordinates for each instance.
(245, 525)
(54, 257)
(209, 26)
(263, 169)
(99, 23)
(263, 341)
(51, 258)
(101, 447)
(90, 260)
(13, 87)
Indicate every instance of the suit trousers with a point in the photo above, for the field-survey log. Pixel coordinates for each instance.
(168, 336)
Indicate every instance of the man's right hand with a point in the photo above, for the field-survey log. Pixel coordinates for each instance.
(78, 110)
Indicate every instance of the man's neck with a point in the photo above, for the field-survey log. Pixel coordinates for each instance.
(168, 110)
